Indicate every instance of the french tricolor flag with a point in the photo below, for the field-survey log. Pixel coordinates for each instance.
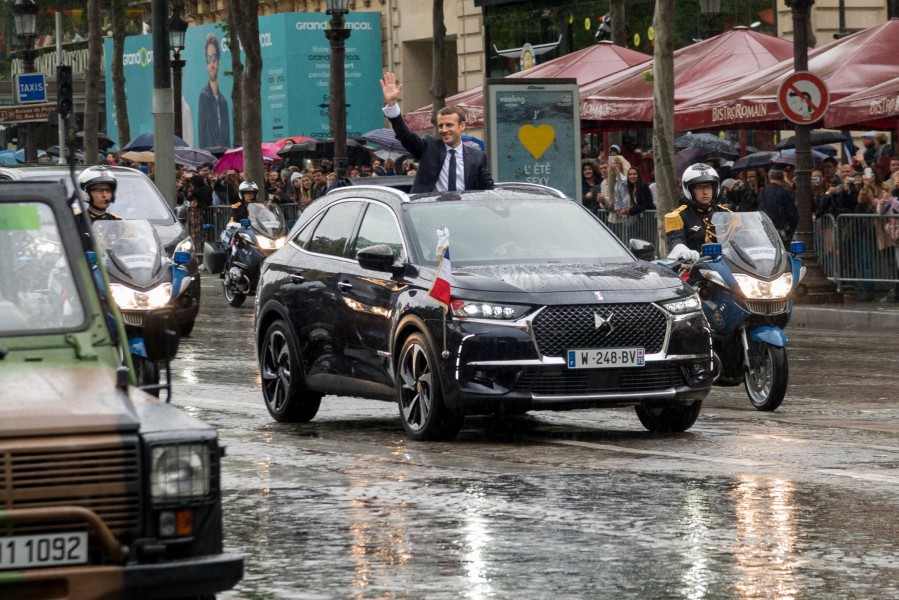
(440, 289)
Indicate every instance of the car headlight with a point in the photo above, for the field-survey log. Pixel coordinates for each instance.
(129, 299)
(756, 289)
(179, 471)
(184, 245)
(682, 306)
(486, 310)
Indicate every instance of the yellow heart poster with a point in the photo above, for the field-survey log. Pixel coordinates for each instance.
(536, 140)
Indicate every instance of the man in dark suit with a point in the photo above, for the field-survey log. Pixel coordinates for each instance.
(444, 164)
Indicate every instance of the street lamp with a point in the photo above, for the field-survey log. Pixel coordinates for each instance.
(337, 35)
(25, 17)
(177, 29)
(709, 10)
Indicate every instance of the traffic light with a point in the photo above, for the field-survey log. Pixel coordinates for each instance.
(64, 90)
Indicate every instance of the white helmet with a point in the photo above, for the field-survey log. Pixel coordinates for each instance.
(248, 186)
(696, 174)
(95, 175)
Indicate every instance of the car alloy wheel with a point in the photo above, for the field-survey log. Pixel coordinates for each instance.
(424, 414)
(286, 397)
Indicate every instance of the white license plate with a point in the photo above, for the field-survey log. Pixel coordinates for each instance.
(606, 358)
(47, 550)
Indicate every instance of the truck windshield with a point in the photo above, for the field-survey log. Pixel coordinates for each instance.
(37, 288)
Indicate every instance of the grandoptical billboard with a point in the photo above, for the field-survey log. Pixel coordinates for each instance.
(295, 80)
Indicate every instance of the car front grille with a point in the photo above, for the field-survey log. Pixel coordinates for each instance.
(767, 307)
(100, 473)
(553, 382)
(562, 328)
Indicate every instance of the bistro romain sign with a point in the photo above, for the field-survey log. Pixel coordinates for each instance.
(739, 112)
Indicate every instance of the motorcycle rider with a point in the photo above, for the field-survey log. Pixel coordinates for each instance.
(248, 192)
(688, 227)
(99, 185)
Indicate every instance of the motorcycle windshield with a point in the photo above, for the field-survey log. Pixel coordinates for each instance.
(267, 221)
(132, 251)
(750, 241)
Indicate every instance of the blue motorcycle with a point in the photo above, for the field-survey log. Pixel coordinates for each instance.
(243, 247)
(747, 282)
(143, 281)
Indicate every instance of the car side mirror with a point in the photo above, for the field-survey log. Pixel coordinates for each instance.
(642, 249)
(160, 335)
(181, 213)
(376, 258)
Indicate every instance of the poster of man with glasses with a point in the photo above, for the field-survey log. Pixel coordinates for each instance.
(214, 122)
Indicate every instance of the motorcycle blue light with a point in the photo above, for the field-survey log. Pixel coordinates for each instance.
(713, 250)
(244, 223)
(91, 258)
(797, 248)
(182, 258)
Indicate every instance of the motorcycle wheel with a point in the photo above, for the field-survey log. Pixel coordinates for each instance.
(766, 381)
(233, 297)
(146, 372)
(676, 418)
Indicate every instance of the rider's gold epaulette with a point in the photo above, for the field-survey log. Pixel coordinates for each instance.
(673, 220)
(235, 205)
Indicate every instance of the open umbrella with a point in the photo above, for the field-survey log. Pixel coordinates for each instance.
(686, 157)
(8, 157)
(383, 138)
(20, 155)
(144, 156)
(788, 157)
(707, 141)
(296, 139)
(193, 157)
(817, 138)
(145, 142)
(754, 161)
(104, 142)
(216, 151)
(233, 158)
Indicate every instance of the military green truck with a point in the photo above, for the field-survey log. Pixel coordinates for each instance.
(105, 491)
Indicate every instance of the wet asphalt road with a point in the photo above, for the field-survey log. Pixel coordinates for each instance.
(800, 503)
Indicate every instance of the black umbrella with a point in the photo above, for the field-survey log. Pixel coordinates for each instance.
(707, 141)
(217, 151)
(357, 153)
(817, 138)
(103, 141)
(145, 142)
(754, 161)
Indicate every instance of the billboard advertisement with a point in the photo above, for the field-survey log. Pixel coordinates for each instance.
(295, 90)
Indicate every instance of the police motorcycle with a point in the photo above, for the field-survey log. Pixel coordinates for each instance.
(747, 282)
(142, 280)
(243, 246)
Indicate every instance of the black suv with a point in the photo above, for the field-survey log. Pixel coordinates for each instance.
(548, 311)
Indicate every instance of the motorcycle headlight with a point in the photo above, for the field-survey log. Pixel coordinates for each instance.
(129, 299)
(487, 310)
(756, 289)
(682, 306)
(184, 245)
(266, 243)
(179, 472)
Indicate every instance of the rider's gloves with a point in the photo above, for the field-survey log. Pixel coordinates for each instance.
(681, 252)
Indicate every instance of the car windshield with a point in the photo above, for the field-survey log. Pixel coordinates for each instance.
(513, 230)
(136, 197)
(750, 240)
(37, 289)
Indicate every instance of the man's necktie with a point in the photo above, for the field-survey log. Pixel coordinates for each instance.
(451, 184)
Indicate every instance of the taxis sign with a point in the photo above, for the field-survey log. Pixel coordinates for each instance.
(31, 87)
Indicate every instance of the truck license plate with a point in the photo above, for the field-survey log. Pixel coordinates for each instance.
(606, 358)
(46, 550)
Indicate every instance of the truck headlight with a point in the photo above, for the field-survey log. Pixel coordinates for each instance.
(179, 472)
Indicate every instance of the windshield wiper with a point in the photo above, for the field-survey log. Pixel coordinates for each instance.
(742, 253)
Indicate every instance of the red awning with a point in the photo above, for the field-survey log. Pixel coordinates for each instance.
(874, 108)
(586, 65)
(625, 99)
(847, 66)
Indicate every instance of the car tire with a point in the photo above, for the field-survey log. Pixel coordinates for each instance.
(674, 418)
(423, 412)
(283, 382)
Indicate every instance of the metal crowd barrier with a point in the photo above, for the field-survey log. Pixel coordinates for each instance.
(216, 217)
(854, 248)
(644, 226)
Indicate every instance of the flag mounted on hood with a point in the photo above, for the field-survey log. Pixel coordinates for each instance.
(440, 289)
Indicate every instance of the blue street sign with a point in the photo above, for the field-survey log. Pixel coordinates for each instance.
(31, 87)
